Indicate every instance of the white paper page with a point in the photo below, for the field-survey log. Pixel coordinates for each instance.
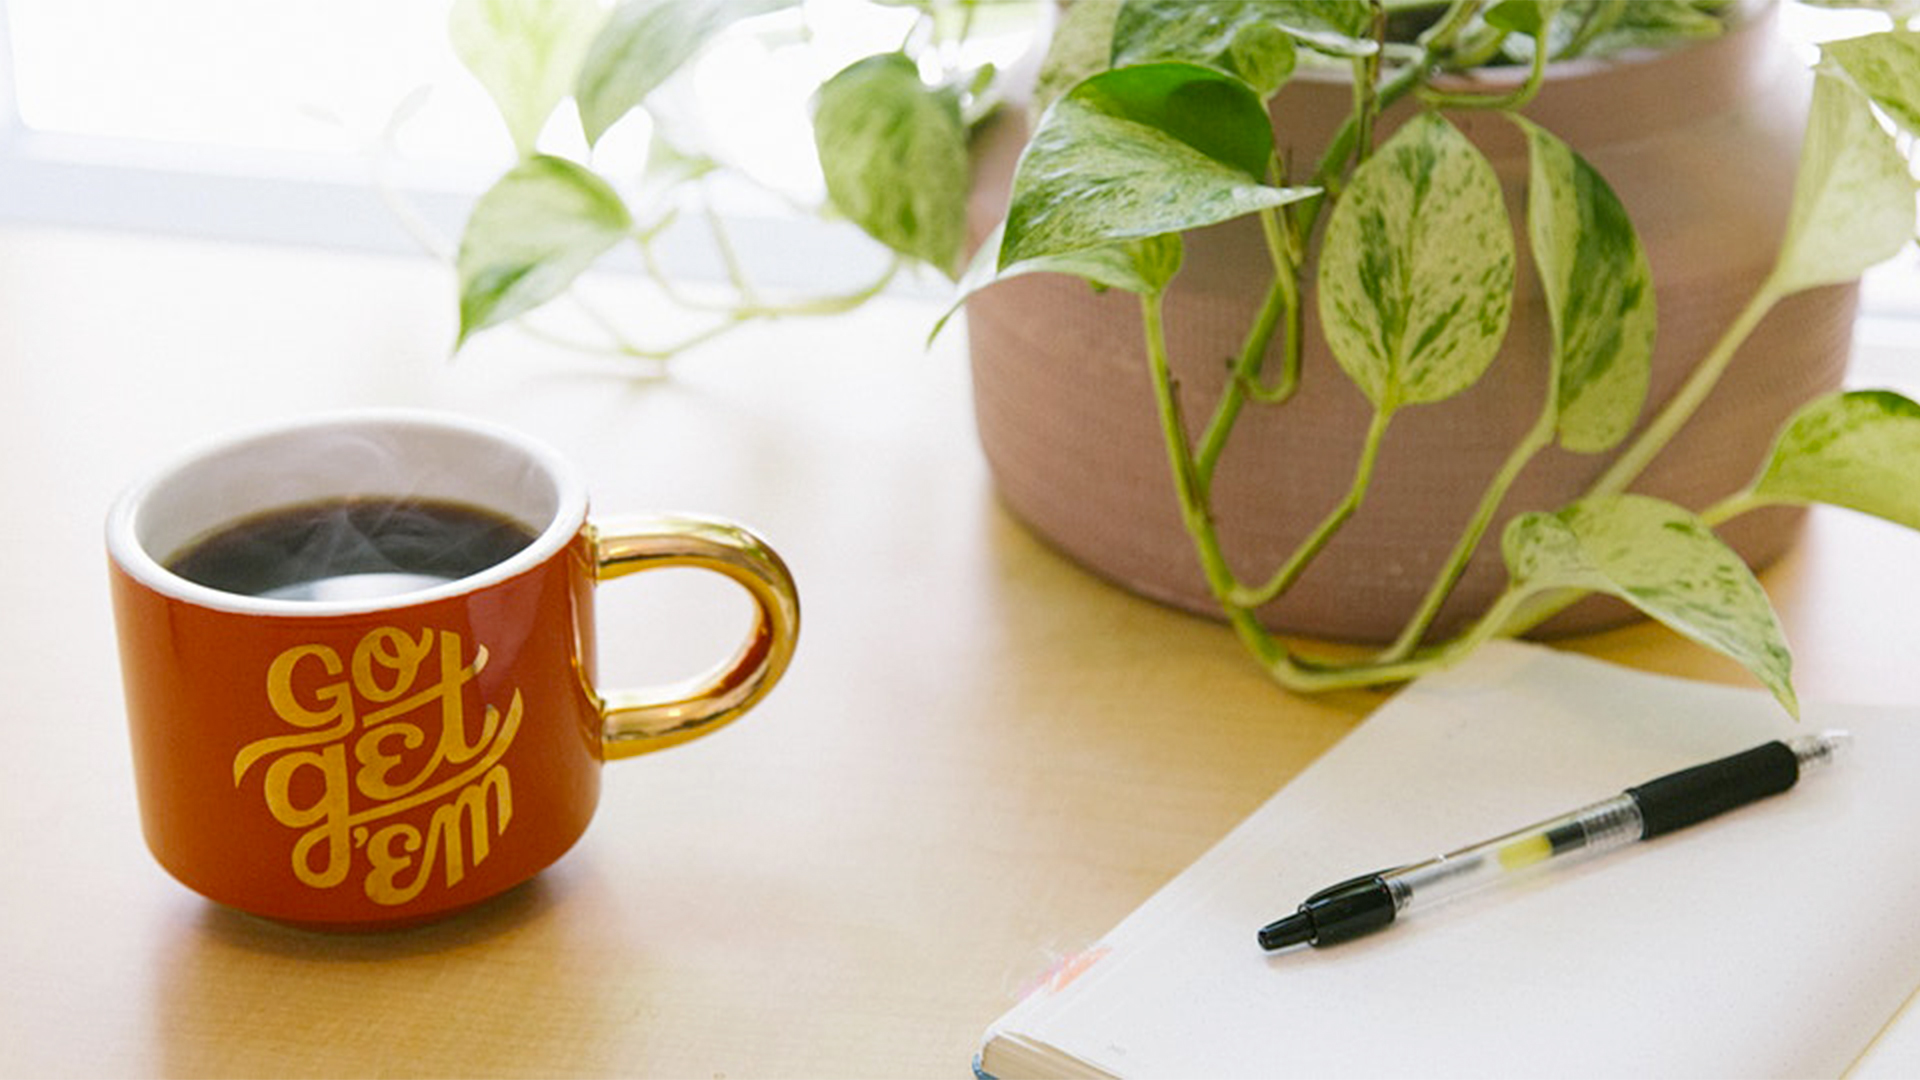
(1895, 1054)
(1776, 940)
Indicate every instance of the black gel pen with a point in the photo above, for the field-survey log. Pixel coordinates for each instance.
(1370, 902)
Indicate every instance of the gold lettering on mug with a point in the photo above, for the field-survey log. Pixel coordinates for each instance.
(386, 758)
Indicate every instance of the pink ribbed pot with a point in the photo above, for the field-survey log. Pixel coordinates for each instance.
(1701, 145)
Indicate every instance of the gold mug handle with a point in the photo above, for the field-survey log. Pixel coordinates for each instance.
(642, 721)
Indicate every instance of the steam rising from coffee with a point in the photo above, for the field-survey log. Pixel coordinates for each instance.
(351, 549)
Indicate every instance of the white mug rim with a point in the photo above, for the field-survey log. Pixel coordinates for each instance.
(129, 552)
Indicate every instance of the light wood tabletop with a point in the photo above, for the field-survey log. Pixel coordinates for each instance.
(982, 758)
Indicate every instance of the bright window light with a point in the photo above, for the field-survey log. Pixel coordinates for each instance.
(273, 120)
(314, 76)
(119, 107)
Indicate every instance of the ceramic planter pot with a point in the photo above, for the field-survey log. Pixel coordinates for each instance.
(1701, 144)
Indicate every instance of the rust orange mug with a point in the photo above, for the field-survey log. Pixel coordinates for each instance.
(368, 732)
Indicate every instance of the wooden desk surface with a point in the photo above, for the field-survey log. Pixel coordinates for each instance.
(982, 759)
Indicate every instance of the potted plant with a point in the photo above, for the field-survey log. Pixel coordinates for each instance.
(1377, 269)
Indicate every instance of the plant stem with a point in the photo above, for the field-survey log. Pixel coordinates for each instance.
(1189, 488)
(1733, 506)
(1516, 98)
(1324, 532)
(1173, 429)
(1282, 305)
(726, 318)
(832, 304)
(1330, 170)
(1240, 383)
(1495, 622)
(729, 256)
(1305, 675)
(1537, 438)
(1295, 674)
(1285, 257)
(1366, 74)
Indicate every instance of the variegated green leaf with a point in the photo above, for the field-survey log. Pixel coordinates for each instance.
(894, 154)
(1599, 292)
(1207, 31)
(1606, 28)
(1334, 27)
(1576, 28)
(530, 235)
(1860, 450)
(1264, 56)
(1853, 201)
(1082, 46)
(1528, 17)
(1195, 31)
(1137, 152)
(1416, 272)
(1886, 67)
(525, 52)
(644, 42)
(1664, 561)
(1142, 267)
(1240, 37)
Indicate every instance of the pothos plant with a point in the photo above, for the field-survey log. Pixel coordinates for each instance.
(1157, 120)
(893, 149)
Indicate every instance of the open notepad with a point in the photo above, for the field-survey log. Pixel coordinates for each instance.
(1782, 939)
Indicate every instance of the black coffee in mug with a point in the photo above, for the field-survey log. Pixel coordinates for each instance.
(351, 549)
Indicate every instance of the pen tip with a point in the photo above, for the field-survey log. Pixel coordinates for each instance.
(1292, 930)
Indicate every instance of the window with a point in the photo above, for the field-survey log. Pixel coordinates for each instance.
(290, 121)
(287, 121)
(236, 119)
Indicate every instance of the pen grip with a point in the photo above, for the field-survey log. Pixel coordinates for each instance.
(1680, 799)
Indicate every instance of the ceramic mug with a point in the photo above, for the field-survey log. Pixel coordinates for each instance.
(380, 751)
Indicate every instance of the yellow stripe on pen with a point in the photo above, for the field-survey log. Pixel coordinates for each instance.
(1526, 852)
